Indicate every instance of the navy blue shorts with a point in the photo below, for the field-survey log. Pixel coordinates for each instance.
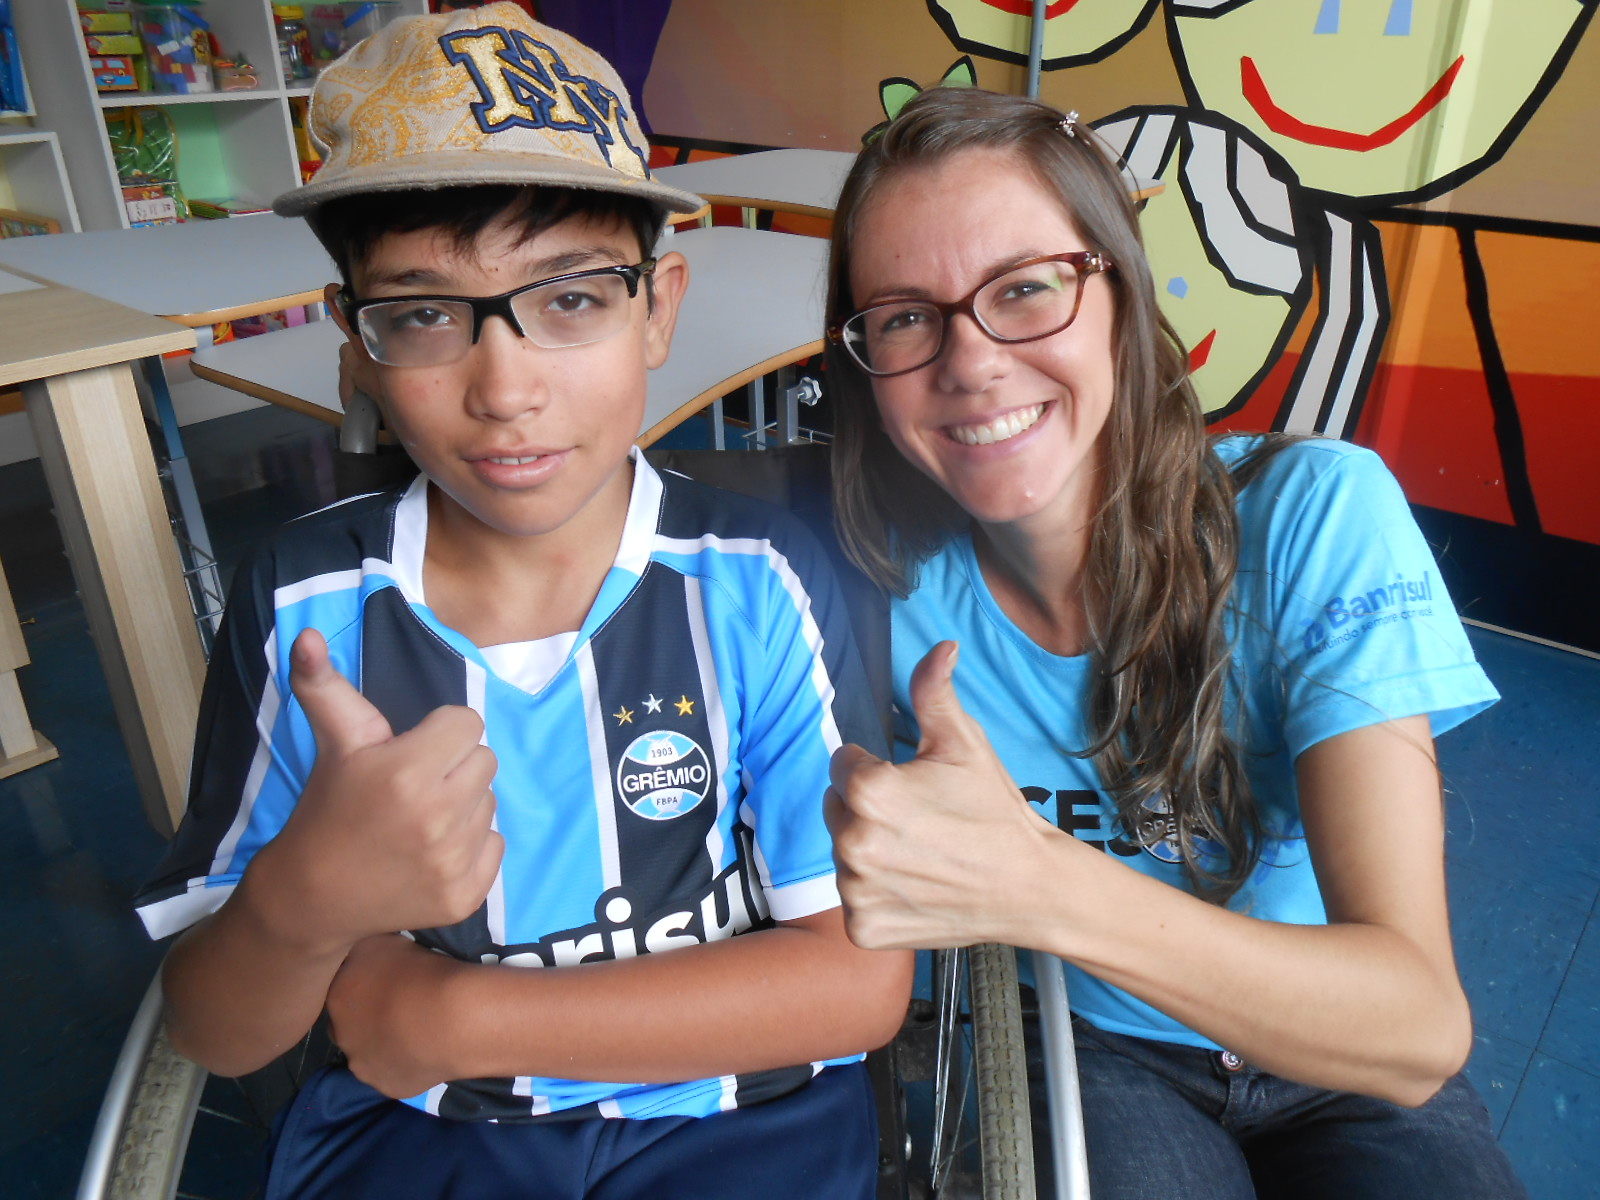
(340, 1140)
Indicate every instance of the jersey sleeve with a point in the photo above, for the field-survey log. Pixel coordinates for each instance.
(248, 767)
(1363, 628)
(813, 697)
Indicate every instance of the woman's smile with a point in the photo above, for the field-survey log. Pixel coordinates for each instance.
(1000, 429)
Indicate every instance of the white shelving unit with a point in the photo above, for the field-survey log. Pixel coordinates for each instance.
(238, 145)
(36, 175)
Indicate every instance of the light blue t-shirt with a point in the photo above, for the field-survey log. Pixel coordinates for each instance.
(1339, 620)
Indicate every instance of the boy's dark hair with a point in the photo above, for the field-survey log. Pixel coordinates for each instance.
(350, 226)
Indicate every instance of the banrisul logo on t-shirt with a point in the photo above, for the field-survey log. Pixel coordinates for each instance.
(1345, 617)
(662, 775)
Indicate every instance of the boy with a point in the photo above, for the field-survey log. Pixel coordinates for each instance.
(595, 708)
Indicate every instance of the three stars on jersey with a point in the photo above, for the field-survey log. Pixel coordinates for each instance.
(652, 704)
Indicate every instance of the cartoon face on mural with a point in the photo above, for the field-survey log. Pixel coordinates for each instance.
(1075, 31)
(1376, 99)
(1231, 267)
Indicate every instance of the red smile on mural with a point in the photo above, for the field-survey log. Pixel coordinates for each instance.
(1024, 8)
(1281, 122)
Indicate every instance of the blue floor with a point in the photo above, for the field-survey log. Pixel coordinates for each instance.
(1523, 816)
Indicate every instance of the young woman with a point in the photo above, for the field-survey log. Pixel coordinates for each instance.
(1187, 746)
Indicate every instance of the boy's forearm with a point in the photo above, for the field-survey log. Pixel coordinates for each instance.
(769, 999)
(796, 993)
(240, 992)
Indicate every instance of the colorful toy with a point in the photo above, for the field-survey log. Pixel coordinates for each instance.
(106, 22)
(234, 75)
(144, 149)
(294, 42)
(115, 73)
(113, 43)
(177, 40)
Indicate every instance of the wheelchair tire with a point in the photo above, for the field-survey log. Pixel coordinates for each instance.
(1001, 1068)
(150, 1153)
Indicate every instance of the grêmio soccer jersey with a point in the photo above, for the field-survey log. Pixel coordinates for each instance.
(661, 770)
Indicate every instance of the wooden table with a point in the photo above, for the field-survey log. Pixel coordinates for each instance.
(754, 305)
(197, 273)
(21, 745)
(71, 352)
(805, 182)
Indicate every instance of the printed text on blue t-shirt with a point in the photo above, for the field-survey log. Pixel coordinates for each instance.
(1385, 603)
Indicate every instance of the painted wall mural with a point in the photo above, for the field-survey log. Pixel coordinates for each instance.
(1075, 31)
(1381, 219)
(1377, 100)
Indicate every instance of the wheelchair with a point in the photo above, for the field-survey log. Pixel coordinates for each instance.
(953, 1093)
(954, 1112)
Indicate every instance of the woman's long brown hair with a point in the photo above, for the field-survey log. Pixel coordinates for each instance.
(1164, 543)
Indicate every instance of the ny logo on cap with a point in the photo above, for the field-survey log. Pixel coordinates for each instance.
(525, 83)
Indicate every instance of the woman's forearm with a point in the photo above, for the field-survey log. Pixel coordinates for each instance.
(1350, 1006)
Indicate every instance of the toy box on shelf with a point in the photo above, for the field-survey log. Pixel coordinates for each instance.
(116, 53)
(177, 44)
(115, 72)
(156, 203)
(22, 224)
(145, 150)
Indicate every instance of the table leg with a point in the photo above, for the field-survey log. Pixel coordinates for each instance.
(757, 391)
(102, 476)
(194, 543)
(719, 428)
(21, 745)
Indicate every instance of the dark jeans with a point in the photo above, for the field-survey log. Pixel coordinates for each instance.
(1167, 1122)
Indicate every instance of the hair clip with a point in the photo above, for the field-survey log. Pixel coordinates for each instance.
(1069, 124)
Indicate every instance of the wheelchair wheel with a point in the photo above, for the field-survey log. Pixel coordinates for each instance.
(169, 1130)
(982, 1133)
(149, 1155)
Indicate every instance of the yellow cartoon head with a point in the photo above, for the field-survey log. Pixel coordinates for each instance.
(1380, 99)
(1075, 31)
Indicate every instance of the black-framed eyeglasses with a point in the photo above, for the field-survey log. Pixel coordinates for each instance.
(1023, 303)
(575, 309)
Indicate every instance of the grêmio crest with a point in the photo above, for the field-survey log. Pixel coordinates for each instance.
(524, 83)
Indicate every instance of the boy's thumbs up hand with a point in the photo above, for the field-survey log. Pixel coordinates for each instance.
(924, 848)
(392, 831)
(342, 719)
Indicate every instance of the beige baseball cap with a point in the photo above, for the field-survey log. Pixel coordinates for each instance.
(486, 95)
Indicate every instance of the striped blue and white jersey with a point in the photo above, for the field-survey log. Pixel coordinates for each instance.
(660, 774)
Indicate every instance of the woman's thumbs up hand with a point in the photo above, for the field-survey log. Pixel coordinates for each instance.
(927, 849)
